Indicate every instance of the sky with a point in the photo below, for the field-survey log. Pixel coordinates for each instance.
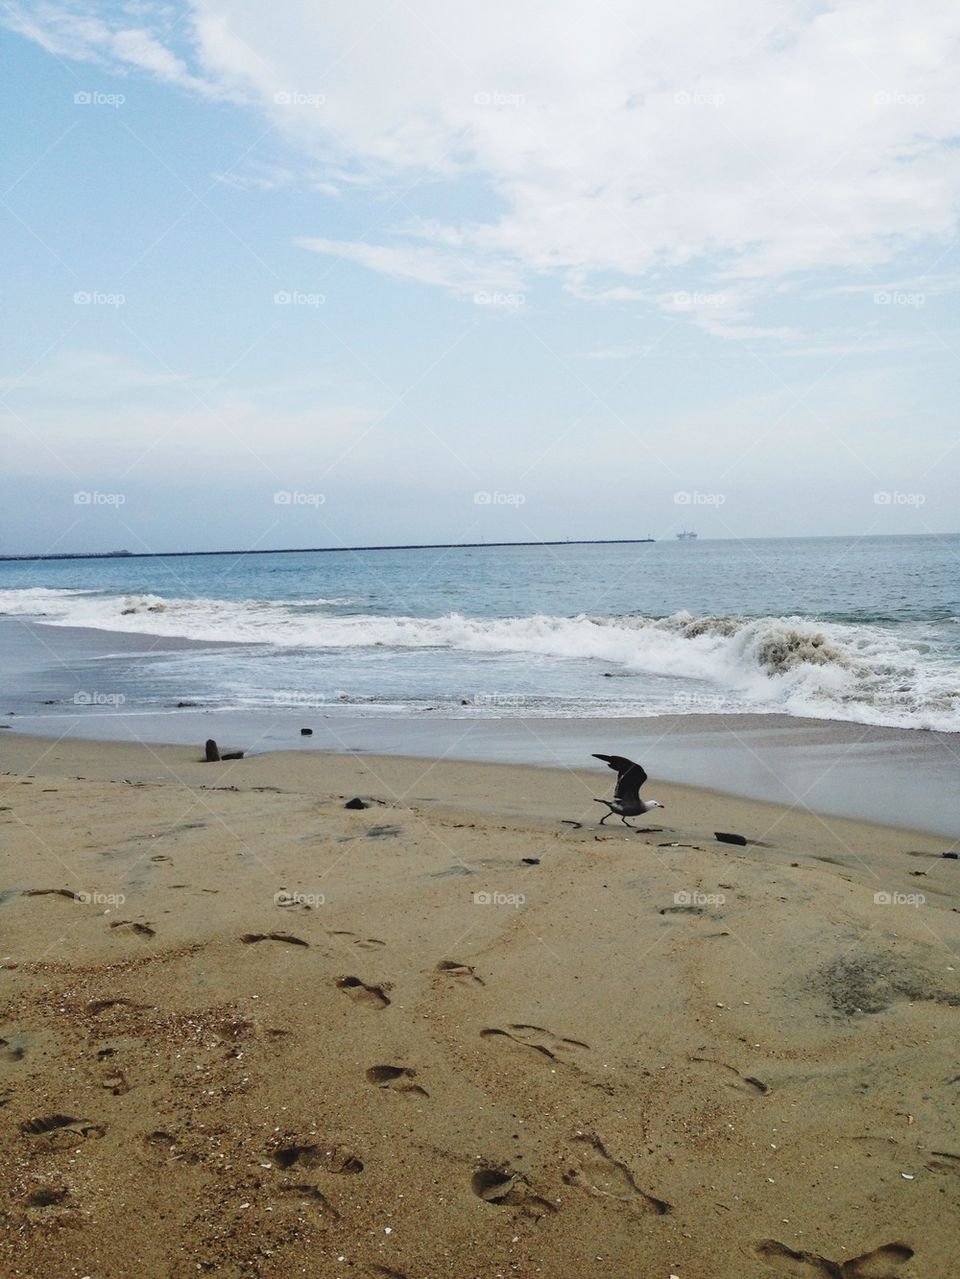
(351, 273)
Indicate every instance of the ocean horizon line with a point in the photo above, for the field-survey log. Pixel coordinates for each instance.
(442, 546)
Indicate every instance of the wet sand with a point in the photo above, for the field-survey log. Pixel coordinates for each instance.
(892, 776)
(247, 1031)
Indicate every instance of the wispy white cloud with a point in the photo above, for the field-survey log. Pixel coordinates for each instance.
(461, 275)
(100, 35)
(756, 143)
(276, 177)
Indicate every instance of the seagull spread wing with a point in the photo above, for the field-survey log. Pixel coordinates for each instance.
(630, 776)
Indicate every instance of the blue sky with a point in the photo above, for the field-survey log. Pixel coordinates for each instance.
(619, 272)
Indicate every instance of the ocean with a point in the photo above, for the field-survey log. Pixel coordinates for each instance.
(863, 630)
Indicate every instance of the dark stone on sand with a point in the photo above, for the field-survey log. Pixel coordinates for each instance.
(212, 751)
(183, 705)
(726, 838)
(306, 732)
(355, 803)
(232, 755)
(530, 861)
(952, 855)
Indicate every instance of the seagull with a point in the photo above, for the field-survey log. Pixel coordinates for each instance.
(626, 800)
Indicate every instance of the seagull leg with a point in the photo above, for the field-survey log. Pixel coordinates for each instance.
(608, 813)
(627, 824)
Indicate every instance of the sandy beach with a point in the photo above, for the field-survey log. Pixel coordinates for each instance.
(248, 1032)
(407, 408)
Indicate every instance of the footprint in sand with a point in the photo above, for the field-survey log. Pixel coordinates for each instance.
(159, 1142)
(747, 1084)
(509, 1189)
(164, 1145)
(313, 1197)
(545, 1042)
(97, 1006)
(12, 1049)
(116, 1082)
(596, 1171)
(289, 938)
(882, 1263)
(47, 1197)
(334, 1158)
(55, 1125)
(129, 925)
(364, 943)
(361, 993)
(396, 1079)
(943, 1161)
(454, 968)
(47, 1123)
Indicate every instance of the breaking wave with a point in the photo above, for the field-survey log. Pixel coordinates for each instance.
(905, 676)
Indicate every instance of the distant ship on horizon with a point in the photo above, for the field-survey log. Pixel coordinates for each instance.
(686, 535)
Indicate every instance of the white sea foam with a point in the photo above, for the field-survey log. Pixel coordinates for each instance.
(868, 673)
